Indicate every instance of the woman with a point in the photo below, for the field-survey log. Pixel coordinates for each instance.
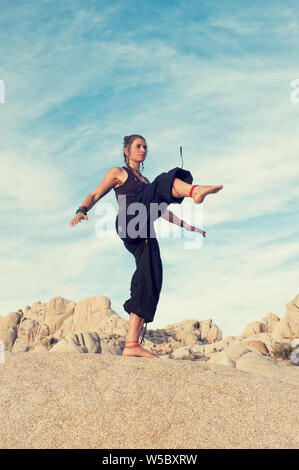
(131, 187)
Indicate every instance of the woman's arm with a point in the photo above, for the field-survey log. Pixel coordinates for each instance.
(170, 217)
(111, 178)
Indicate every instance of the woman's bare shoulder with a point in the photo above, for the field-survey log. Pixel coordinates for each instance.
(117, 170)
(120, 175)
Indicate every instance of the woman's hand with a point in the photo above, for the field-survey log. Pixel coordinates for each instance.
(78, 217)
(191, 228)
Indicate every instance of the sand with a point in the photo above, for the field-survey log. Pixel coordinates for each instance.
(89, 401)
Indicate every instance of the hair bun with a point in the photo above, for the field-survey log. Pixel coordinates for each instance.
(126, 138)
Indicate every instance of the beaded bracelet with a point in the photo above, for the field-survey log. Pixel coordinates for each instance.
(81, 211)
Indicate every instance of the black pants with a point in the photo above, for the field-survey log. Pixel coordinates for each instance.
(146, 282)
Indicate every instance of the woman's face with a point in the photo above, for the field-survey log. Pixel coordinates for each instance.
(137, 151)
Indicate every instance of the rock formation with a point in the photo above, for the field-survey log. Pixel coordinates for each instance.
(91, 326)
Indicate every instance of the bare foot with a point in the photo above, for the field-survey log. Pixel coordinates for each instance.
(137, 351)
(200, 192)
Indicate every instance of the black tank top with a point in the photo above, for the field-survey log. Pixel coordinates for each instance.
(130, 187)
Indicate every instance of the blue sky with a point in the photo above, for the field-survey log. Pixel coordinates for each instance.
(212, 77)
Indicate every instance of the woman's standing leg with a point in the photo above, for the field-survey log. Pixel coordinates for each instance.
(132, 347)
(145, 291)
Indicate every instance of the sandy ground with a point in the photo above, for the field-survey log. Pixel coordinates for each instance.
(87, 401)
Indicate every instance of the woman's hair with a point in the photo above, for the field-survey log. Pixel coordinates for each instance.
(129, 139)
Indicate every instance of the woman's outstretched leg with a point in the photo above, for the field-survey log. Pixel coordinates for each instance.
(132, 347)
(182, 189)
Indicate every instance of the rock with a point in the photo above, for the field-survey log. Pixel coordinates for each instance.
(112, 325)
(49, 316)
(288, 327)
(9, 328)
(107, 349)
(94, 314)
(235, 350)
(91, 341)
(91, 326)
(256, 363)
(254, 328)
(10, 320)
(210, 331)
(20, 346)
(65, 329)
(193, 331)
(46, 344)
(294, 357)
(27, 331)
(82, 342)
(8, 337)
(57, 311)
(265, 338)
(221, 358)
(184, 331)
(167, 347)
(218, 346)
(294, 343)
(65, 346)
(181, 353)
(270, 322)
(260, 346)
(187, 337)
(36, 312)
(198, 349)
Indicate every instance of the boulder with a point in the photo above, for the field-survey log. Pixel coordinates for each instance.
(288, 327)
(45, 344)
(49, 316)
(57, 311)
(184, 331)
(10, 320)
(256, 363)
(294, 357)
(27, 331)
(181, 353)
(193, 331)
(221, 358)
(107, 349)
(36, 311)
(259, 345)
(65, 329)
(20, 346)
(254, 328)
(266, 338)
(8, 336)
(270, 322)
(235, 350)
(209, 349)
(209, 331)
(94, 313)
(9, 328)
(82, 342)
